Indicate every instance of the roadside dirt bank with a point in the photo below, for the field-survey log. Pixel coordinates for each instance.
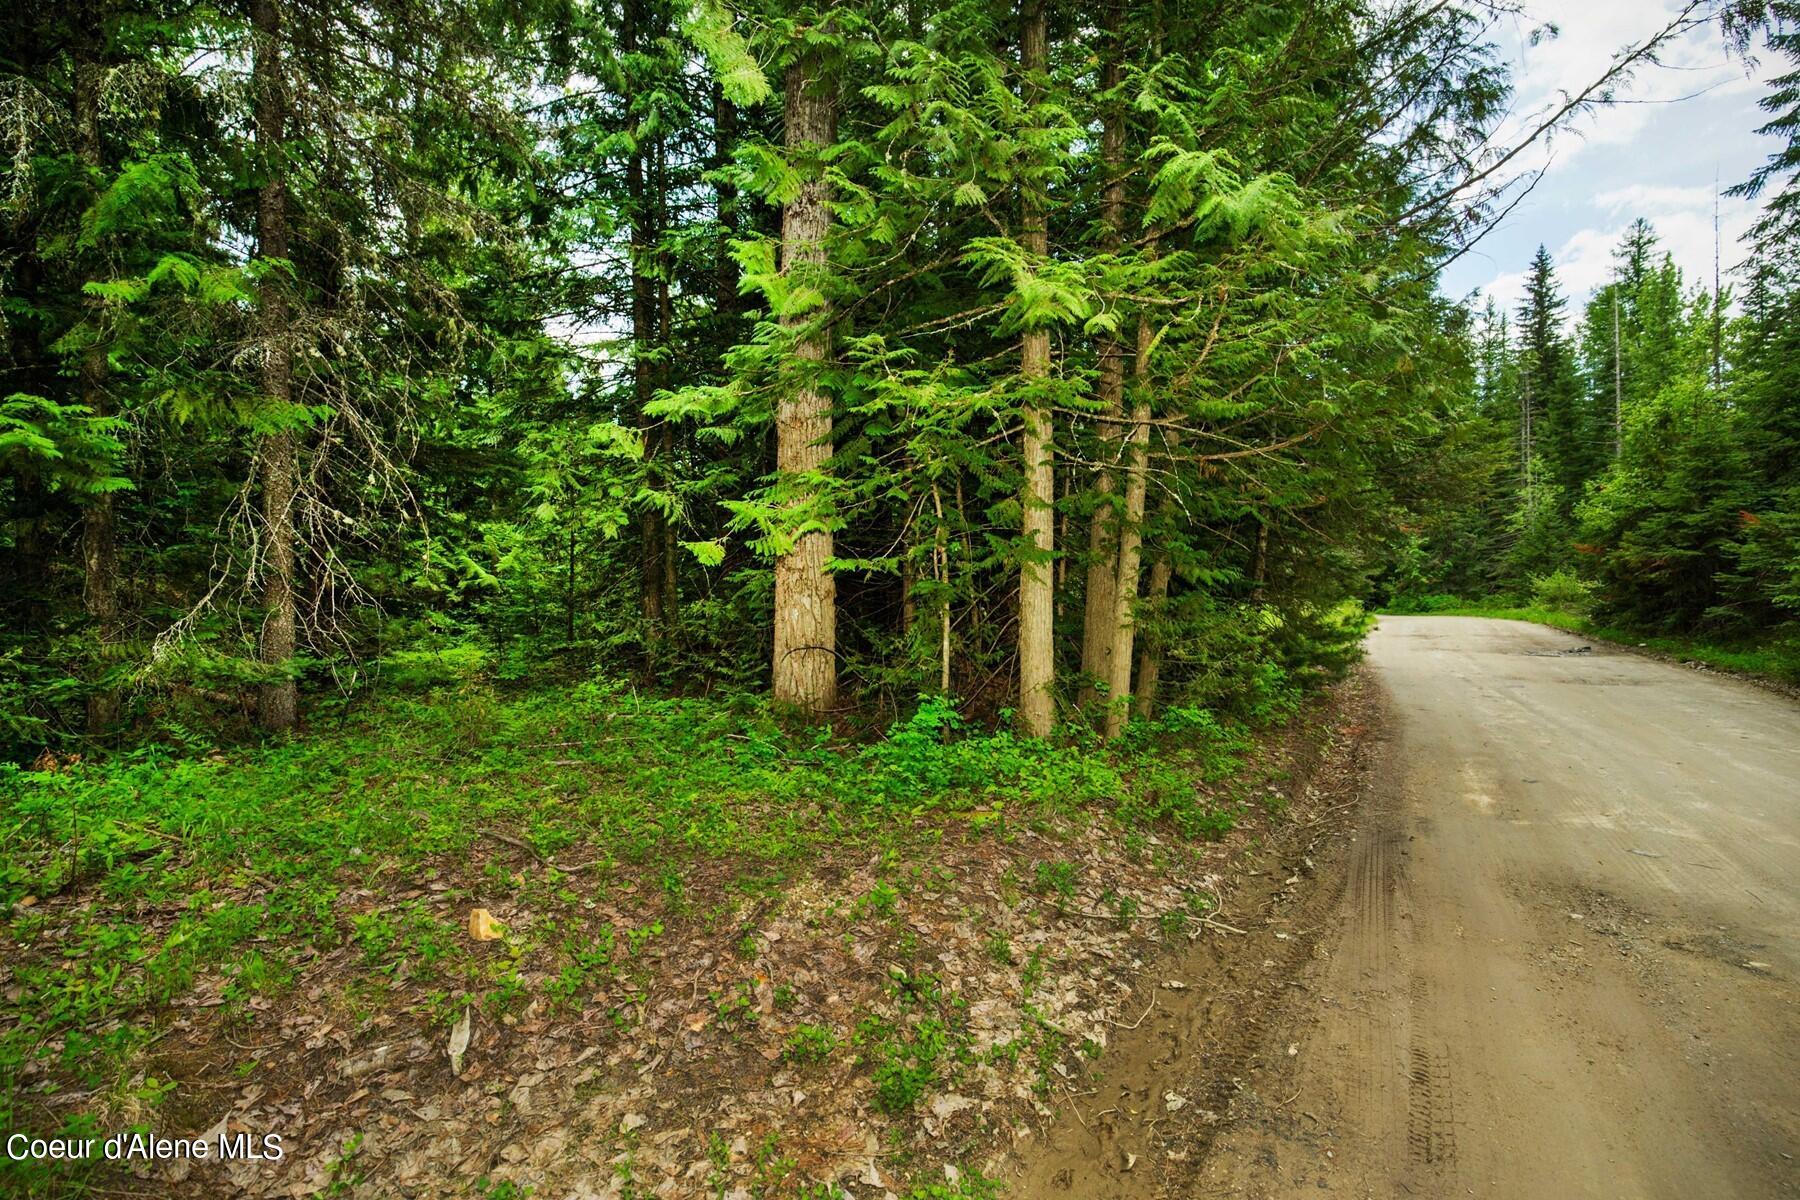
(1552, 954)
(1209, 1019)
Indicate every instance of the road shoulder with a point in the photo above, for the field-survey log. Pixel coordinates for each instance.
(1195, 1052)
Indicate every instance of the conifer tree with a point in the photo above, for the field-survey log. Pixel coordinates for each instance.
(1008, 352)
(1037, 651)
(1560, 431)
(277, 453)
(805, 669)
(1098, 608)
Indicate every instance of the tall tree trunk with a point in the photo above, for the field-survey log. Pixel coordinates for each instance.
(725, 278)
(1065, 491)
(1131, 535)
(1259, 561)
(1037, 611)
(644, 339)
(99, 537)
(668, 581)
(1619, 385)
(909, 605)
(1102, 561)
(1156, 594)
(277, 453)
(805, 667)
(940, 561)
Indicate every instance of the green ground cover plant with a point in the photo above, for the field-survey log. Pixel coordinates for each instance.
(246, 862)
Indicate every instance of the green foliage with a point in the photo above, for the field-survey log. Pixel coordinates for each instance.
(293, 828)
(728, 54)
(68, 447)
(1779, 23)
(30, 694)
(903, 1061)
(969, 1185)
(540, 334)
(811, 1043)
(1683, 527)
(1056, 878)
(1564, 592)
(530, 324)
(929, 759)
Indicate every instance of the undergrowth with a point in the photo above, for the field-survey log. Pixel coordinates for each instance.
(127, 882)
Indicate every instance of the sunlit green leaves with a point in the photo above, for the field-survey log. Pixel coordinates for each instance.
(710, 26)
(66, 446)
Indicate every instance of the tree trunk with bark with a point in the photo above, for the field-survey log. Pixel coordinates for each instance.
(940, 561)
(725, 279)
(1259, 562)
(1131, 534)
(99, 534)
(277, 455)
(1037, 601)
(805, 666)
(1156, 594)
(668, 580)
(645, 336)
(1102, 562)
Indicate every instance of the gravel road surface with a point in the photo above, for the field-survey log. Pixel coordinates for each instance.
(1565, 961)
(1551, 952)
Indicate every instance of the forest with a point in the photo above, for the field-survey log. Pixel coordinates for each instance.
(517, 436)
(1639, 467)
(1040, 377)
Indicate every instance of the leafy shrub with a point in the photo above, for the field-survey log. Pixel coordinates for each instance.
(1563, 591)
(450, 664)
(924, 761)
(1252, 661)
(593, 772)
(1056, 878)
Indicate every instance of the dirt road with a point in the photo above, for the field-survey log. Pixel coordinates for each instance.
(1557, 958)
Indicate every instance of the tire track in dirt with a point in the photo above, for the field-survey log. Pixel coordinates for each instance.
(1584, 985)
(1166, 1089)
(1554, 953)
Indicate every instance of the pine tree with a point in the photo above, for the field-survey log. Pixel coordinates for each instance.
(1559, 427)
(1037, 651)
(1098, 605)
(1007, 350)
(1779, 225)
(805, 669)
(276, 453)
(99, 534)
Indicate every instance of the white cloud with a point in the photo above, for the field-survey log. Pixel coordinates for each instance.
(1651, 200)
(1683, 220)
(1678, 126)
(1587, 40)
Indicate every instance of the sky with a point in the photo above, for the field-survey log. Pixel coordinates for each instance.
(1684, 123)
